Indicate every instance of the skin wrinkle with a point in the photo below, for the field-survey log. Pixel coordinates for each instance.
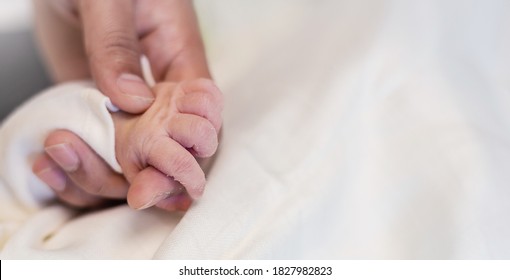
(100, 189)
(113, 36)
(167, 32)
(181, 166)
(209, 110)
(116, 50)
(205, 136)
(150, 143)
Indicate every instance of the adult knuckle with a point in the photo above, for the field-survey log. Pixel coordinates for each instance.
(116, 46)
(118, 40)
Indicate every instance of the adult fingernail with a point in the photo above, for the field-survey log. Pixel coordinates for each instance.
(53, 178)
(134, 87)
(65, 156)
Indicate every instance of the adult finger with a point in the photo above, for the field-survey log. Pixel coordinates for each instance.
(83, 166)
(111, 44)
(171, 40)
(65, 189)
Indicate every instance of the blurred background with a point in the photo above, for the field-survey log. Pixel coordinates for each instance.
(21, 70)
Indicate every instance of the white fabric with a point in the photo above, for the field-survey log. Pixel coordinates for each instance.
(360, 129)
(33, 227)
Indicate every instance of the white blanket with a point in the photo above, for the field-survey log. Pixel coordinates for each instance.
(353, 129)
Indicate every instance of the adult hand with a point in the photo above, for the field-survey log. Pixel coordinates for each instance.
(104, 40)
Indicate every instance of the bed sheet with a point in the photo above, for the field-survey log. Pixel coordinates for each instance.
(353, 129)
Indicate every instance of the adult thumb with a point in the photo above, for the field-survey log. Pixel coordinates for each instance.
(113, 52)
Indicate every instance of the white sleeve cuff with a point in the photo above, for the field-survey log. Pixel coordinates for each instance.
(77, 107)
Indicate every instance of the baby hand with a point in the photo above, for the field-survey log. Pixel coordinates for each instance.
(157, 149)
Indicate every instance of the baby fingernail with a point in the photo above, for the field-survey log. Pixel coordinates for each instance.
(53, 178)
(134, 87)
(154, 200)
(197, 192)
(65, 156)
